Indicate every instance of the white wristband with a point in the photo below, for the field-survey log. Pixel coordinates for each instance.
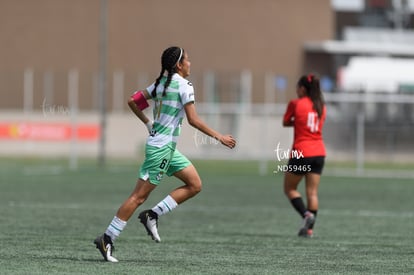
(149, 126)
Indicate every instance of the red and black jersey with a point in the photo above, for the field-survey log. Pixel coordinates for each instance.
(307, 127)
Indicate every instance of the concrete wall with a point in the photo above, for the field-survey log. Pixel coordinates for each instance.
(223, 36)
(126, 137)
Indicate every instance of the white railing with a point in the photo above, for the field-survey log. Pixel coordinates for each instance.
(360, 127)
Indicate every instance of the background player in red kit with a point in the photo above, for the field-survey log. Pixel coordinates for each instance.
(306, 115)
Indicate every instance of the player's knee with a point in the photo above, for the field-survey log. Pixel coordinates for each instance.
(138, 200)
(196, 186)
(312, 196)
(288, 190)
(290, 193)
(141, 200)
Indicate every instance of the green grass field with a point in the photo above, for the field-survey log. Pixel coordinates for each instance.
(240, 223)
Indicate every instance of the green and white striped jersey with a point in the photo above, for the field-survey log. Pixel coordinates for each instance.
(169, 111)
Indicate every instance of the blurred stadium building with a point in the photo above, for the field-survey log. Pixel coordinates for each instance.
(66, 64)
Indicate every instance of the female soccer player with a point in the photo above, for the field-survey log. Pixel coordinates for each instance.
(306, 115)
(173, 98)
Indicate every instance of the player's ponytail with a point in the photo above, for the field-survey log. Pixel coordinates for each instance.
(169, 60)
(157, 82)
(311, 83)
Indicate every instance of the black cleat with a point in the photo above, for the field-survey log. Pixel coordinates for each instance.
(105, 246)
(308, 222)
(150, 220)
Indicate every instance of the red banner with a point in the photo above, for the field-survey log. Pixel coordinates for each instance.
(48, 131)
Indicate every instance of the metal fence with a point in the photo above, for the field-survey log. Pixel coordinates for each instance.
(360, 127)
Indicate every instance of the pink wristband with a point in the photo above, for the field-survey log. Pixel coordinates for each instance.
(140, 100)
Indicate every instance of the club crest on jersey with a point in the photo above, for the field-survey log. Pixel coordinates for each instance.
(159, 176)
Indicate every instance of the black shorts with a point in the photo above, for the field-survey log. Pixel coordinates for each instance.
(303, 166)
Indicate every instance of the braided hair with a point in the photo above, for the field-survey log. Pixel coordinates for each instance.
(313, 91)
(169, 59)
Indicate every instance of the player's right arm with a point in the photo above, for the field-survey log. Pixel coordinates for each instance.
(289, 116)
(137, 103)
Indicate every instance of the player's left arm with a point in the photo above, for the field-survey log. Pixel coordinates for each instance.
(195, 121)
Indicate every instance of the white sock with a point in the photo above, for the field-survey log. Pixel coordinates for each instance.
(115, 228)
(165, 206)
